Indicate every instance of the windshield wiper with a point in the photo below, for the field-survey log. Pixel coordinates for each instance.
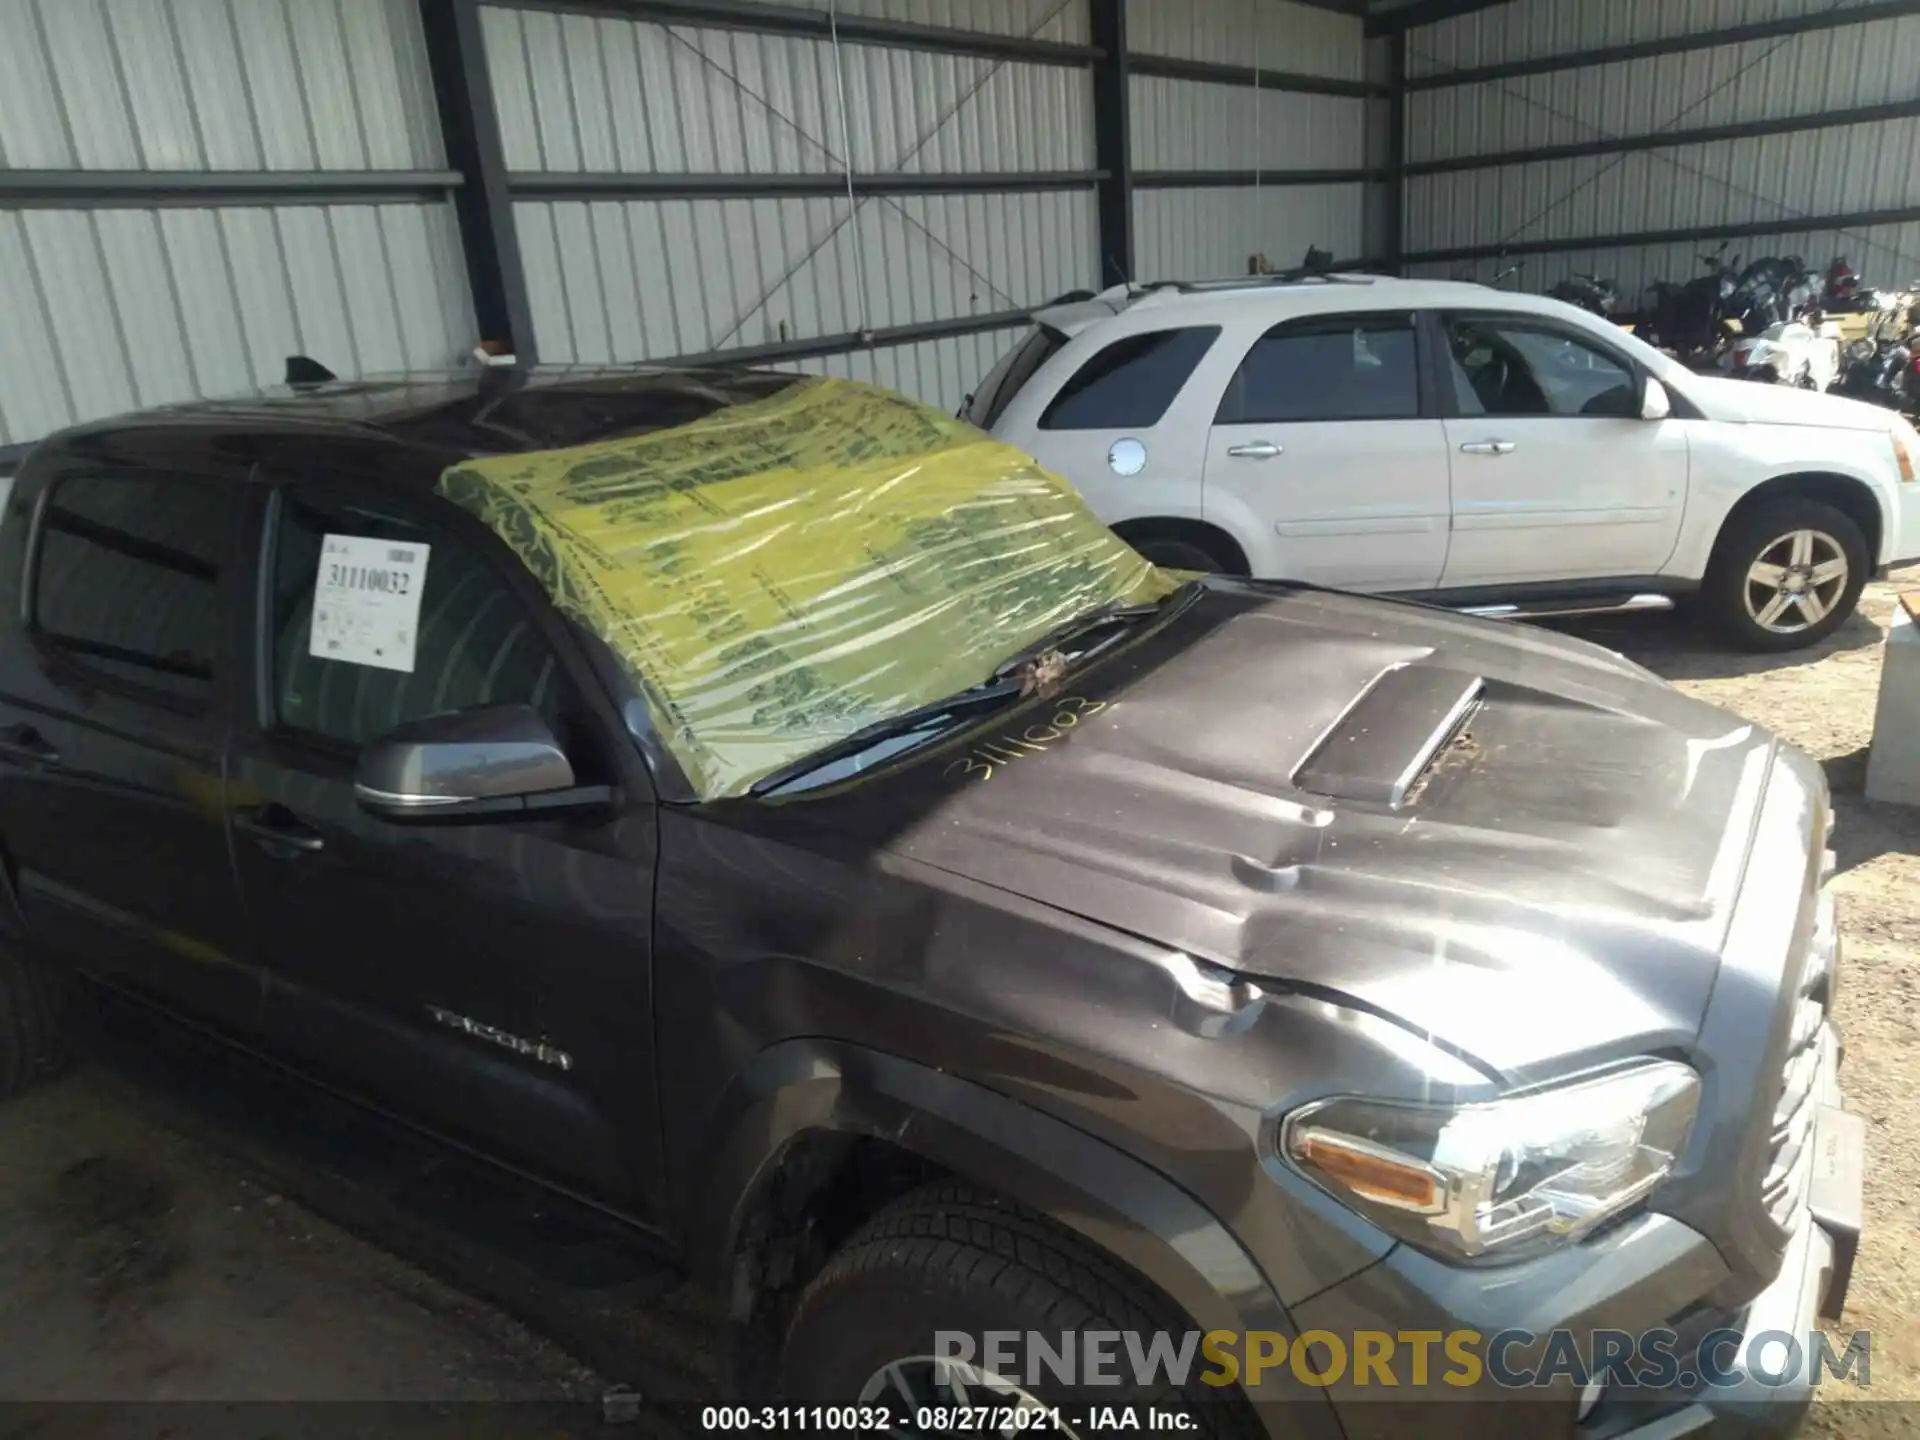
(1007, 682)
(1112, 615)
(921, 717)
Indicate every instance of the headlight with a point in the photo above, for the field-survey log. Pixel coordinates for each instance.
(1504, 1178)
(1861, 350)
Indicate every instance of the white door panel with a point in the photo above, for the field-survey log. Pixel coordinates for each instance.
(1317, 450)
(1361, 506)
(1553, 475)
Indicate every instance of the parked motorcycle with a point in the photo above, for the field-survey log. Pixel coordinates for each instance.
(1599, 296)
(1880, 366)
(1802, 353)
(1843, 294)
(1689, 320)
(1769, 292)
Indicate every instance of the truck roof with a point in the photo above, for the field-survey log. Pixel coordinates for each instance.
(441, 417)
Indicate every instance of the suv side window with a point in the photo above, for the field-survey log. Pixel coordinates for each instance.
(1008, 378)
(477, 645)
(1129, 384)
(1517, 367)
(1331, 367)
(127, 578)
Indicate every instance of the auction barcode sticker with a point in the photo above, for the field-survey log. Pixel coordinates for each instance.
(366, 603)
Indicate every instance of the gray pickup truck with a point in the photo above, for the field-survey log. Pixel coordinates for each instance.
(1023, 982)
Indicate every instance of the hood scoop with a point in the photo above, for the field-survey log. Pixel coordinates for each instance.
(1385, 741)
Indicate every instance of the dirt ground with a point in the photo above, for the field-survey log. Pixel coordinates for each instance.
(1823, 701)
(141, 1263)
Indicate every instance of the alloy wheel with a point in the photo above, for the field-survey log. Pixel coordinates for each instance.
(1795, 581)
(922, 1385)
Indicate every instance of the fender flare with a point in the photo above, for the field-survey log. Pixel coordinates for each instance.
(1132, 1212)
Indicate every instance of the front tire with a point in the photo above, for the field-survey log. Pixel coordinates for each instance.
(32, 1041)
(1786, 575)
(948, 1258)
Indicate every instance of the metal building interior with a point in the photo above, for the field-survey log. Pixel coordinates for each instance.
(191, 190)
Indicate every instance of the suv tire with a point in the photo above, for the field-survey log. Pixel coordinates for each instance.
(32, 1043)
(948, 1257)
(1767, 558)
(1172, 550)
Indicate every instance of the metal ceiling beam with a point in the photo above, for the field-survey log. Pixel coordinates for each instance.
(560, 185)
(1398, 19)
(1825, 19)
(817, 24)
(1248, 179)
(1783, 225)
(1667, 139)
(1212, 73)
(153, 189)
(820, 346)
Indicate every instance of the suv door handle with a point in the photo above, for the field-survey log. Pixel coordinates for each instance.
(1257, 450)
(1488, 447)
(277, 829)
(24, 745)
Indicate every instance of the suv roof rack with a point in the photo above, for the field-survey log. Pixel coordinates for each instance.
(1255, 282)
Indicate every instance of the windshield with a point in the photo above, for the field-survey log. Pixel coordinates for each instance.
(781, 574)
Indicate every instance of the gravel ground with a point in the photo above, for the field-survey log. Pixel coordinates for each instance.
(1823, 701)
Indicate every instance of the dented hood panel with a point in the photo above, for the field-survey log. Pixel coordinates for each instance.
(1555, 884)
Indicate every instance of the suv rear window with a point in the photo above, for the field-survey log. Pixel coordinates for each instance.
(1129, 384)
(1338, 367)
(128, 578)
(1007, 379)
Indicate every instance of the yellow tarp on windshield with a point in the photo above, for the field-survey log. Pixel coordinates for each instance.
(780, 574)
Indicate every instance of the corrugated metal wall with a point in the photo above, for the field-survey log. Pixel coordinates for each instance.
(1754, 180)
(108, 308)
(635, 279)
(1182, 124)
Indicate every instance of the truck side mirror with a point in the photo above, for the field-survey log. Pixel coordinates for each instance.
(492, 762)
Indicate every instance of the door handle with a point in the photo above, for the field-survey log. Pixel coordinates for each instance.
(277, 828)
(1488, 447)
(1257, 450)
(24, 745)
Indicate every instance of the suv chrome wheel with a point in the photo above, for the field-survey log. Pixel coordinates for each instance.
(920, 1387)
(1796, 581)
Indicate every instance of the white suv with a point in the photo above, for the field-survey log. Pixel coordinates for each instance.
(1491, 451)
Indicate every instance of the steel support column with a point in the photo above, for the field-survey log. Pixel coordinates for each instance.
(456, 52)
(1112, 140)
(1396, 207)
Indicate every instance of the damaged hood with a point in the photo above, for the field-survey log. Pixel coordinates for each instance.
(1516, 843)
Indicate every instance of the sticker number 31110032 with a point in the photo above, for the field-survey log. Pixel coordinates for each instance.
(366, 602)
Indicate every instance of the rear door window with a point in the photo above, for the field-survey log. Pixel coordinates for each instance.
(1010, 376)
(127, 579)
(1129, 384)
(1335, 367)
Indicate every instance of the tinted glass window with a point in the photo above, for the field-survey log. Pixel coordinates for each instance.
(1338, 368)
(128, 578)
(1129, 384)
(477, 644)
(1502, 368)
(1010, 376)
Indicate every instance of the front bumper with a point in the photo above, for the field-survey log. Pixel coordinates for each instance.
(1646, 1276)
